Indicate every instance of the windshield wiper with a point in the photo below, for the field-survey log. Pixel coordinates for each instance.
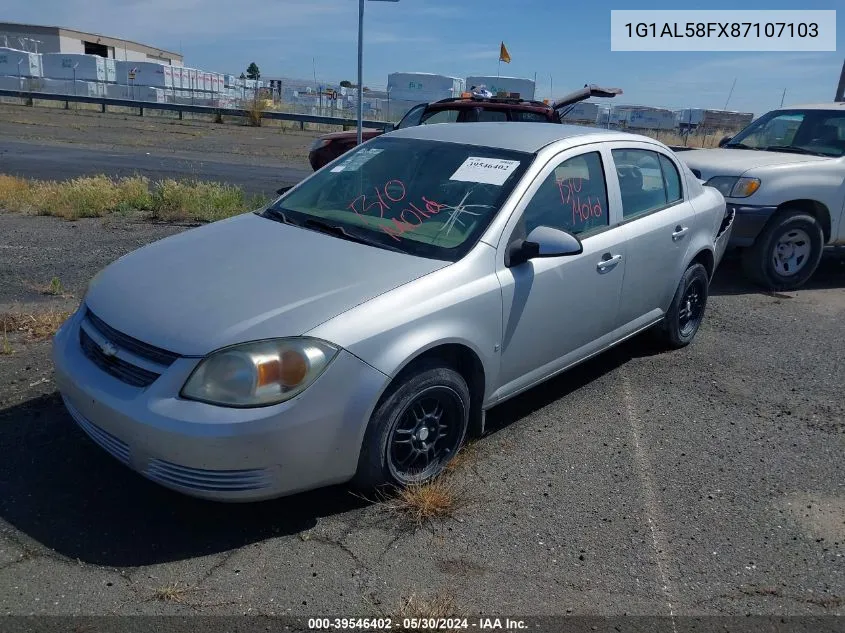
(793, 149)
(341, 232)
(276, 214)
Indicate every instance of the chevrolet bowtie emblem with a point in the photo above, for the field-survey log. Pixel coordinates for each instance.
(108, 349)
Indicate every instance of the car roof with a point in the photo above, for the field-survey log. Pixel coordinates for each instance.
(815, 106)
(510, 135)
(491, 103)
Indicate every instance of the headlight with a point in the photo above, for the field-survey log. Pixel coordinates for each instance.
(320, 142)
(260, 373)
(734, 187)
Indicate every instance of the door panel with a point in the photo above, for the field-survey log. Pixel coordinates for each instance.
(556, 309)
(560, 309)
(659, 222)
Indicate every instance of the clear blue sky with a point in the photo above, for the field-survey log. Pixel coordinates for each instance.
(564, 42)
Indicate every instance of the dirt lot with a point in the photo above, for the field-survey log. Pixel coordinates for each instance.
(704, 481)
(276, 141)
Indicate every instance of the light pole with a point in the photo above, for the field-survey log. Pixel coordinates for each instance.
(361, 65)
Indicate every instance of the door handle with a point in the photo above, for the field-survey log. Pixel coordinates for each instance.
(680, 231)
(608, 262)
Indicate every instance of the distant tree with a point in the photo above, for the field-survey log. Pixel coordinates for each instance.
(346, 84)
(366, 89)
(243, 76)
(252, 71)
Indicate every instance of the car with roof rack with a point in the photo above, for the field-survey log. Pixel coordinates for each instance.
(468, 108)
(784, 177)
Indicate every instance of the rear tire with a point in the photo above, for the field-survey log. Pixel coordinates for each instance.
(416, 429)
(786, 254)
(686, 312)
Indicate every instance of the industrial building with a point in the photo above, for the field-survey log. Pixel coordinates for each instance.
(53, 39)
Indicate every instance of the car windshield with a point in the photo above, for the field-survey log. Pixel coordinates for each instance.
(816, 132)
(426, 198)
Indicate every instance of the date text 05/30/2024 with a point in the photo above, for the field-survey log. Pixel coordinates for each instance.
(723, 29)
(386, 624)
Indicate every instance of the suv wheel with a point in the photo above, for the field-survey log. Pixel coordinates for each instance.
(786, 253)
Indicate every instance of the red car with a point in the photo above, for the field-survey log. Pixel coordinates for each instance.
(464, 109)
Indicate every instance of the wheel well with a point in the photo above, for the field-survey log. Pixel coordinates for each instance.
(705, 258)
(814, 208)
(464, 361)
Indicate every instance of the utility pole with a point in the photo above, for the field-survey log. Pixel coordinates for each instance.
(729, 94)
(840, 91)
(782, 97)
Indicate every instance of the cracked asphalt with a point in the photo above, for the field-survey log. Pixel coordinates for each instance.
(706, 481)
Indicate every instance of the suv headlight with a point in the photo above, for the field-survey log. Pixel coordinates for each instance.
(733, 186)
(259, 374)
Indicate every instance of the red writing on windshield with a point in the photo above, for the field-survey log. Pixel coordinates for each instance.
(582, 210)
(394, 192)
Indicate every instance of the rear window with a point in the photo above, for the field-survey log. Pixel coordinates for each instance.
(528, 116)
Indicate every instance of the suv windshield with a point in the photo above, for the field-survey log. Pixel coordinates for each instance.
(425, 198)
(819, 132)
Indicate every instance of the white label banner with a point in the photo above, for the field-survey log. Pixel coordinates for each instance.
(721, 30)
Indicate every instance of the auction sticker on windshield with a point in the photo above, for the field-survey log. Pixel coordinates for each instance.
(491, 171)
(354, 162)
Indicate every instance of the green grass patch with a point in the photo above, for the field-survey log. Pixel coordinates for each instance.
(98, 196)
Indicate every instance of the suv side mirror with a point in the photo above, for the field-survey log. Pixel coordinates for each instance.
(724, 141)
(543, 241)
(283, 190)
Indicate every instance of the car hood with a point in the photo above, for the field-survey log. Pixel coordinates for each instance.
(735, 162)
(242, 279)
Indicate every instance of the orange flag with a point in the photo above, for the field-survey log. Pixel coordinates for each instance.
(504, 56)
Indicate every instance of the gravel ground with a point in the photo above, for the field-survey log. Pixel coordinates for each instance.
(705, 481)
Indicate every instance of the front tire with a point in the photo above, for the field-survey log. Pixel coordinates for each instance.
(686, 312)
(416, 429)
(786, 254)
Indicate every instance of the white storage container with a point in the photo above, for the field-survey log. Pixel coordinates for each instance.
(111, 71)
(215, 83)
(14, 63)
(168, 77)
(146, 73)
(583, 112)
(68, 66)
(421, 87)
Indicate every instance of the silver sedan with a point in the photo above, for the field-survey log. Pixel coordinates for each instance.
(358, 328)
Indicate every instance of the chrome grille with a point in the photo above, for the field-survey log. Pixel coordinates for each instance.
(105, 440)
(120, 369)
(207, 480)
(133, 345)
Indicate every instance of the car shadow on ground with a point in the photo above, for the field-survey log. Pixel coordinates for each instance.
(61, 490)
(730, 279)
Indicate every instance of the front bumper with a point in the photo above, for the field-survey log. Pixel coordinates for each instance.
(215, 452)
(750, 220)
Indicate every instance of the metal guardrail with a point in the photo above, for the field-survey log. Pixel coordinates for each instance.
(272, 115)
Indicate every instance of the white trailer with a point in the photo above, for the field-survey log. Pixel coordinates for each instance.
(642, 117)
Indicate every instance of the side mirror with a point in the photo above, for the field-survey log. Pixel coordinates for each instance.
(724, 141)
(283, 190)
(543, 241)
